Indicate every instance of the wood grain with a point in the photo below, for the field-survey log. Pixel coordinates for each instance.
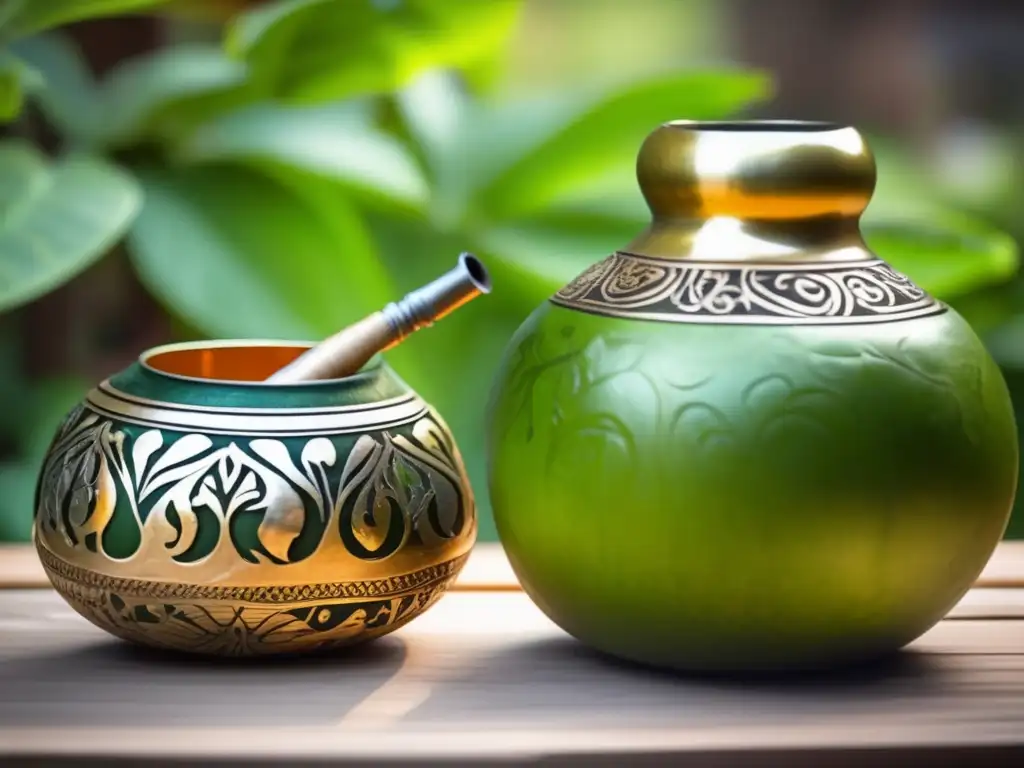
(485, 676)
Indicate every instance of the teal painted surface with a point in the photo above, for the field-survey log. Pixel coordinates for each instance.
(712, 496)
(403, 488)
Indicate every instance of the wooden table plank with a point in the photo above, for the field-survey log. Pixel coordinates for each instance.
(488, 568)
(487, 676)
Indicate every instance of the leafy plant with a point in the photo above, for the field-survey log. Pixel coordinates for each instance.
(334, 154)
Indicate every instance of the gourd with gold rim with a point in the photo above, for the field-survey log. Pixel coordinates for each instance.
(187, 505)
(744, 441)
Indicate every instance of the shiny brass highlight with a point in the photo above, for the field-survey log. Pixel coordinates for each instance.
(347, 351)
(789, 191)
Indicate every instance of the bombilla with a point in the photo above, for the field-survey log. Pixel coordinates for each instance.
(348, 350)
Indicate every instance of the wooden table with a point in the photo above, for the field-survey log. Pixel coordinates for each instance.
(485, 677)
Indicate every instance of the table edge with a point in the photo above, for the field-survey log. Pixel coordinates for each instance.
(489, 569)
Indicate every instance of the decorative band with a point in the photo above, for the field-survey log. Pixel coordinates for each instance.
(274, 595)
(110, 402)
(644, 288)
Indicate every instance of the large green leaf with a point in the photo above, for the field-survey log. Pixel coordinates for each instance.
(336, 141)
(237, 254)
(36, 15)
(613, 129)
(545, 253)
(325, 49)
(14, 385)
(56, 219)
(166, 94)
(16, 78)
(40, 410)
(69, 96)
(466, 142)
(948, 255)
(17, 489)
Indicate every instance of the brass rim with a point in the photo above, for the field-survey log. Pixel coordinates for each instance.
(750, 126)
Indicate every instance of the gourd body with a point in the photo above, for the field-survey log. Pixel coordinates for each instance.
(184, 505)
(764, 461)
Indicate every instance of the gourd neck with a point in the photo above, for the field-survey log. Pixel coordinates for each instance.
(758, 191)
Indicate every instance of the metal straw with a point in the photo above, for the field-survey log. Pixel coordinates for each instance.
(347, 351)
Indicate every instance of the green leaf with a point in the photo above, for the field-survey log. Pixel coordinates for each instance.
(36, 15)
(168, 93)
(948, 257)
(313, 50)
(16, 78)
(41, 409)
(465, 142)
(237, 254)
(69, 97)
(56, 219)
(992, 307)
(612, 129)
(8, 10)
(17, 492)
(50, 401)
(547, 252)
(335, 141)
(14, 386)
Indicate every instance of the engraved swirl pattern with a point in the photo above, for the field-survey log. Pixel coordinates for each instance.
(626, 286)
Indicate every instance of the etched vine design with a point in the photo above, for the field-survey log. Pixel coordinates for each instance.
(773, 403)
(201, 497)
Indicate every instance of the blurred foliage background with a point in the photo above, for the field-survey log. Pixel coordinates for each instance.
(179, 169)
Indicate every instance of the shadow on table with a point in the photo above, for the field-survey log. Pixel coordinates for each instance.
(114, 683)
(560, 681)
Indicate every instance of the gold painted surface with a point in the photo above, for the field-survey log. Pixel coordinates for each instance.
(757, 191)
(227, 478)
(345, 540)
(248, 621)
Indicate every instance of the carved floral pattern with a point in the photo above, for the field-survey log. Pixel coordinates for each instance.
(219, 506)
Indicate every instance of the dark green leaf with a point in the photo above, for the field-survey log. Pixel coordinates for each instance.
(42, 407)
(166, 94)
(546, 253)
(16, 78)
(36, 15)
(69, 98)
(466, 143)
(325, 49)
(17, 492)
(14, 385)
(992, 307)
(49, 402)
(8, 10)
(612, 129)
(56, 219)
(336, 141)
(946, 256)
(237, 254)
(1007, 345)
